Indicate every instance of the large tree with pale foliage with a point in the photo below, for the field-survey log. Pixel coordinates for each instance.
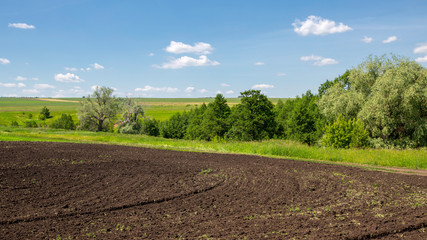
(98, 111)
(389, 94)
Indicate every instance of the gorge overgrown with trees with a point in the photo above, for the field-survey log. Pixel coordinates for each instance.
(380, 103)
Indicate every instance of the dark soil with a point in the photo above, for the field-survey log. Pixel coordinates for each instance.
(69, 191)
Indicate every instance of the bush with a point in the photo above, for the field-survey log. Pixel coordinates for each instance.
(31, 124)
(64, 122)
(14, 123)
(345, 134)
(150, 127)
(44, 114)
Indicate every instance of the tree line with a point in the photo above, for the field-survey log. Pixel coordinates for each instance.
(380, 103)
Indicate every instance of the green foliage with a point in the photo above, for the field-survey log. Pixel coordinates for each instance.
(345, 134)
(342, 81)
(150, 127)
(64, 122)
(44, 114)
(300, 119)
(208, 123)
(30, 116)
(14, 124)
(98, 111)
(31, 124)
(131, 113)
(175, 127)
(388, 95)
(253, 118)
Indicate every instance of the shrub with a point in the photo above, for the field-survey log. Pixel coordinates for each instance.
(44, 114)
(345, 133)
(14, 123)
(31, 124)
(64, 122)
(150, 127)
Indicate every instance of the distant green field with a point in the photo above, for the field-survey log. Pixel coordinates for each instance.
(19, 109)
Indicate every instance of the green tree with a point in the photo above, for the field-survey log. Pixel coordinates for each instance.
(304, 121)
(150, 126)
(215, 119)
(131, 114)
(342, 81)
(44, 114)
(194, 131)
(175, 127)
(253, 118)
(98, 111)
(388, 94)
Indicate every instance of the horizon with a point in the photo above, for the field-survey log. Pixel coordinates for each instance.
(196, 49)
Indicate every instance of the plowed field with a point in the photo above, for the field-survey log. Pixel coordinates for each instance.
(69, 191)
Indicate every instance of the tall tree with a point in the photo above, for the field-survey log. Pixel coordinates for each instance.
(98, 111)
(131, 113)
(253, 118)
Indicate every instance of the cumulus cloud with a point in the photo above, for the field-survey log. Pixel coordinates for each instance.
(20, 78)
(390, 39)
(259, 64)
(186, 61)
(21, 26)
(68, 77)
(148, 88)
(4, 61)
(318, 26)
(280, 74)
(151, 54)
(198, 48)
(12, 85)
(202, 90)
(35, 79)
(422, 59)
(43, 86)
(262, 86)
(318, 60)
(97, 66)
(72, 69)
(367, 39)
(32, 91)
(229, 92)
(189, 89)
(422, 48)
(225, 85)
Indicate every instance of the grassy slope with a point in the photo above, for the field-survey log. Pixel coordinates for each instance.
(415, 159)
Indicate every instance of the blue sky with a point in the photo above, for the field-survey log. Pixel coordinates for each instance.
(53, 48)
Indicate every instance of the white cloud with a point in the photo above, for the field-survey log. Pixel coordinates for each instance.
(318, 26)
(218, 92)
(72, 69)
(319, 61)
(422, 59)
(151, 54)
(32, 91)
(390, 39)
(35, 79)
(225, 85)
(21, 26)
(43, 86)
(68, 77)
(422, 48)
(97, 66)
(202, 90)
(229, 92)
(186, 61)
(148, 88)
(189, 89)
(20, 78)
(198, 48)
(12, 85)
(280, 74)
(4, 61)
(367, 39)
(262, 86)
(259, 64)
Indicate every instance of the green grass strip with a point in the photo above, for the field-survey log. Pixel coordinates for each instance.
(408, 158)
